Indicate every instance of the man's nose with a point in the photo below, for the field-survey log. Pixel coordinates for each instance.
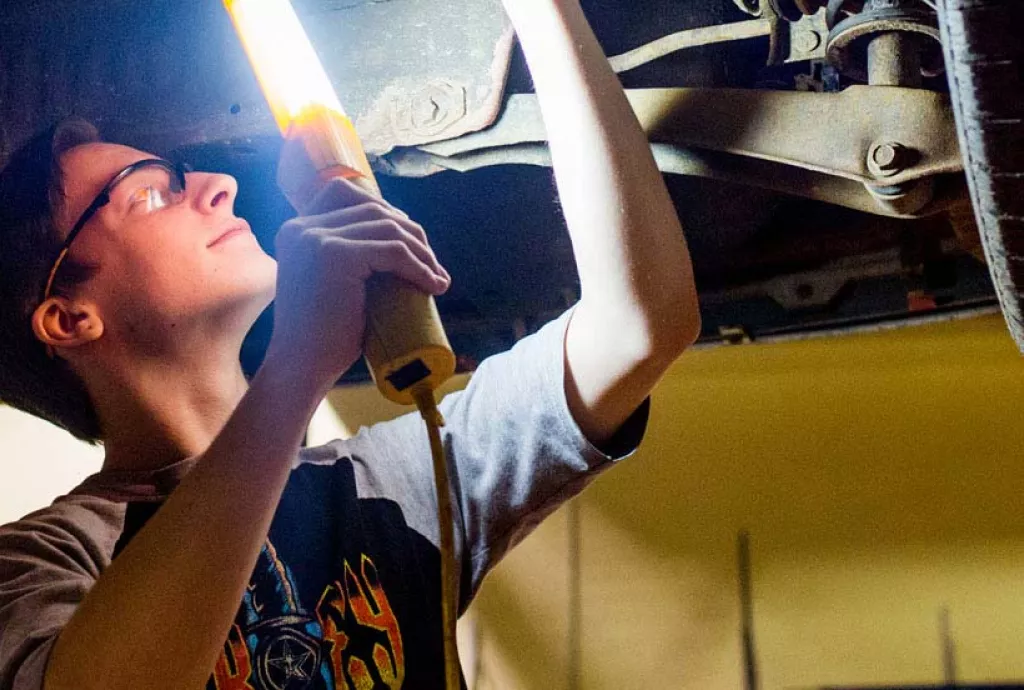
(215, 192)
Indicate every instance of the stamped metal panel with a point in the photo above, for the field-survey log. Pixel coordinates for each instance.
(413, 71)
(162, 74)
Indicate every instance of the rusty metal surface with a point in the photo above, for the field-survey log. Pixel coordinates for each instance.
(690, 38)
(792, 10)
(171, 75)
(829, 133)
(411, 71)
(163, 74)
(849, 38)
(786, 141)
(946, 193)
(804, 40)
(807, 37)
(894, 59)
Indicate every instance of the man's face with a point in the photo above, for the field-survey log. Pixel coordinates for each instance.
(183, 268)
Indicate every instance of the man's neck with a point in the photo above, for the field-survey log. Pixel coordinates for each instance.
(162, 411)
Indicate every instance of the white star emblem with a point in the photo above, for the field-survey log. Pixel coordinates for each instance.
(290, 663)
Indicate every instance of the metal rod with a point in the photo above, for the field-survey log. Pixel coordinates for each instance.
(948, 648)
(894, 59)
(747, 612)
(691, 38)
(575, 665)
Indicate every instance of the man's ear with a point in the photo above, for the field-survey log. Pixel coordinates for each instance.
(63, 323)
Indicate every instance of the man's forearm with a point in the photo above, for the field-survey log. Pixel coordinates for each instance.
(187, 569)
(626, 235)
(639, 307)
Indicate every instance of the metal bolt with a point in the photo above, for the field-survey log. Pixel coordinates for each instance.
(807, 41)
(887, 159)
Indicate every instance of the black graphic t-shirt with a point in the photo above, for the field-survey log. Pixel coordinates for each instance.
(346, 590)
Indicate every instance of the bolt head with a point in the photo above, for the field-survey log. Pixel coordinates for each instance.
(887, 158)
(807, 41)
(884, 156)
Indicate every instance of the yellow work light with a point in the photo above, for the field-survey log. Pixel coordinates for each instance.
(406, 346)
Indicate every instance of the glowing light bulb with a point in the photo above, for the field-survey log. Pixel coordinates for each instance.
(300, 95)
(286, 65)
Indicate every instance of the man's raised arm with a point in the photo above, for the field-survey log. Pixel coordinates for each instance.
(638, 309)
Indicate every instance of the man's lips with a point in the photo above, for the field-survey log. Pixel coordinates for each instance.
(238, 227)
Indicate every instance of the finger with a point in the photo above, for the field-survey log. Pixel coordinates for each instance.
(397, 259)
(389, 230)
(368, 211)
(381, 230)
(393, 257)
(378, 228)
(346, 215)
(344, 223)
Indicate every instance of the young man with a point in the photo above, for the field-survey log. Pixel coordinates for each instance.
(205, 500)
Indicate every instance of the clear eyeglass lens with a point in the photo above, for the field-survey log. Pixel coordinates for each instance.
(150, 189)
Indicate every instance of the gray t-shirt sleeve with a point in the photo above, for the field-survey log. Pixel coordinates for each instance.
(48, 562)
(515, 453)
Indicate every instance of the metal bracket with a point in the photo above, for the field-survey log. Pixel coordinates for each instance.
(829, 147)
(797, 41)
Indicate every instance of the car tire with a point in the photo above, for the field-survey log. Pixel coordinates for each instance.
(985, 67)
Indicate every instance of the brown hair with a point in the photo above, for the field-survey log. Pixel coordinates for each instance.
(31, 191)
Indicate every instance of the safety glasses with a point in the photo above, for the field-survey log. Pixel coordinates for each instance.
(154, 184)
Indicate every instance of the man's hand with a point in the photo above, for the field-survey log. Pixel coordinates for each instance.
(324, 261)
